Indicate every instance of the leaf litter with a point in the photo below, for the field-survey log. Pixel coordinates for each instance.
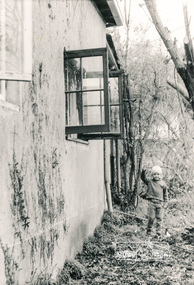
(119, 251)
(120, 234)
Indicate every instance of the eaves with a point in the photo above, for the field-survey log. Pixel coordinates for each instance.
(109, 11)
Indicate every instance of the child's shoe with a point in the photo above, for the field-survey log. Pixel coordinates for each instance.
(157, 236)
(148, 234)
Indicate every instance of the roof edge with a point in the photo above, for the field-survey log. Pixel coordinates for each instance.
(109, 11)
(116, 12)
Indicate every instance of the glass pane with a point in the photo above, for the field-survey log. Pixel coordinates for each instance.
(93, 115)
(13, 92)
(72, 74)
(93, 98)
(113, 90)
(93, 72)
(93, 108)
(13, 31)
(114, 105)
(114, 119)
(73, 109)
(2, 35)
(10, 91)
(2, 89)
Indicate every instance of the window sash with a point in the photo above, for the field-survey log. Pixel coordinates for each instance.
(24, 72)
(97, 127)
(110, 134)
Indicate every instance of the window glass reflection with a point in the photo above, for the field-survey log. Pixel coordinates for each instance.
(114, 119)
(113, 90)
(72, 74)
(93, 108)
(114, 105)
(13, 32)
(93, 72)
(73, 109)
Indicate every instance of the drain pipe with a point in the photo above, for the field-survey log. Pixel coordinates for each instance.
(107, 174)
(118, 166)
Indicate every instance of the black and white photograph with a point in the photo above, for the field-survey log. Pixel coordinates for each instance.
(97, 142)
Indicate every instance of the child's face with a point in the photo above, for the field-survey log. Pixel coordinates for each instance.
(156, 176)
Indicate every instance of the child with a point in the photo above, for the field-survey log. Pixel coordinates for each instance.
(156, 195)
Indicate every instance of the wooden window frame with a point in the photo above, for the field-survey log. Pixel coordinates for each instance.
(91, 53)
(24, 73)
(90, 132)
(109, 134)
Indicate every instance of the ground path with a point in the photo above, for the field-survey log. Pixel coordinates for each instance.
(107, 257)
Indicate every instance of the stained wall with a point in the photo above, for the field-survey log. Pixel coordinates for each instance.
(52, 189)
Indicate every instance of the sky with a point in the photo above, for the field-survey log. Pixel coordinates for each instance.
(171, 13)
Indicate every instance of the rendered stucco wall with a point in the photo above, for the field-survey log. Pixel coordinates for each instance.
(52, 190)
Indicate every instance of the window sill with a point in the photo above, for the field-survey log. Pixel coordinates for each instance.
(77, 140)
(8, 105)
(16, 76)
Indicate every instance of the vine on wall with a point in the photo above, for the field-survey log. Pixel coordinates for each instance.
(47, 196)
(11, 266)
(19, 208)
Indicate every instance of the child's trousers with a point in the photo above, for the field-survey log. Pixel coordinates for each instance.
(155, 211)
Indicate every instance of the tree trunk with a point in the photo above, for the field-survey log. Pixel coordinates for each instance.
(184, 69)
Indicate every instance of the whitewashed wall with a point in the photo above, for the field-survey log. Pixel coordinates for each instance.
(61, 182)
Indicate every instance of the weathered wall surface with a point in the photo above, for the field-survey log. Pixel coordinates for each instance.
(52, 190)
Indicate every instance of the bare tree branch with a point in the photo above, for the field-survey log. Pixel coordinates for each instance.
(188, 39)
(181, 89)
(186, 71)
(164, 34)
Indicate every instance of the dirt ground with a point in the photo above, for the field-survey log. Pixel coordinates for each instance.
(120, 253)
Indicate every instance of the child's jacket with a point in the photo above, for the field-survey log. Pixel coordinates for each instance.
(156, 189)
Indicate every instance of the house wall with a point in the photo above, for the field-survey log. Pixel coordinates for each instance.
(52, 189)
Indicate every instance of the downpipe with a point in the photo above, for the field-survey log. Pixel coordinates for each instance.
(107, 175)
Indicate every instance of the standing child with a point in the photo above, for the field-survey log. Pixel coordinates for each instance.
(157, 196)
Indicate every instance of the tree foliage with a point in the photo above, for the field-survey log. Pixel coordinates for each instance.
(158, 126)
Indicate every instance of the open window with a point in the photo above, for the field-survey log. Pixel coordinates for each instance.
(15, 47)
(115, 109)
(86, 85)
(93, 95)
